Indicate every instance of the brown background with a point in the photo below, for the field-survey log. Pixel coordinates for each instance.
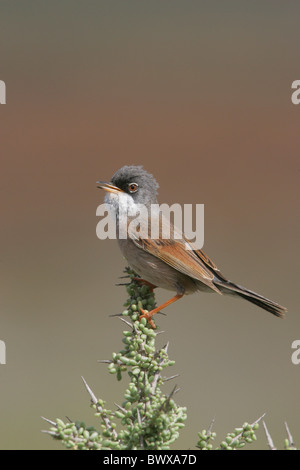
(200, 94)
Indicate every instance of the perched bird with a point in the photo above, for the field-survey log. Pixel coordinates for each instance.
(162, 262)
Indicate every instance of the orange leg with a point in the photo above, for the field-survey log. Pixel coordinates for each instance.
(148, 315)
(141, 281)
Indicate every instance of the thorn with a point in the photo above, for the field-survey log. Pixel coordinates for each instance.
(140, 423)
(174, 390)
(258, 419)
(93, 397)
(211, 426)
(166, 379)
(52, 433)
(161, 313)
(269, 438)
(121, 408)
(99, 408)
(139, 416)
(157, 353)
(53, 423)
(255, 422)
(125, 321)
(105, 361)
(290, 437)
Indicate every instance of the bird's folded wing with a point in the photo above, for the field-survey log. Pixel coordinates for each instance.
(210, 264)
(176, 254)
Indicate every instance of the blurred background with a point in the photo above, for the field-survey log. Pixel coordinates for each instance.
(199, 93)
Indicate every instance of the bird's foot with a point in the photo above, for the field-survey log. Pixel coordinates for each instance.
(148, 316)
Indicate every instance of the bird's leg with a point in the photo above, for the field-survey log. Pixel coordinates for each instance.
(143, 282)
(148, 315)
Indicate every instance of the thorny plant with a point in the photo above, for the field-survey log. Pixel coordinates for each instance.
(147, 418)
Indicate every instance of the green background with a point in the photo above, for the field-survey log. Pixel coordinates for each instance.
(200, 94)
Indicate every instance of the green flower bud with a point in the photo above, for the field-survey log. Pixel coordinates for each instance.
(286, 443)
(60, 423)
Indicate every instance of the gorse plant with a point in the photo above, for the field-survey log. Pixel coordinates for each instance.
(147, 418)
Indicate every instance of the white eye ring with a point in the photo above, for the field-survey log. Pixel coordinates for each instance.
(133, 187)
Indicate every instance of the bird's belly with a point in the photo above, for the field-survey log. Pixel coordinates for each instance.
(156, 271)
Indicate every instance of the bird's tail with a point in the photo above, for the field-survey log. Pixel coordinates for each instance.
(257, 299)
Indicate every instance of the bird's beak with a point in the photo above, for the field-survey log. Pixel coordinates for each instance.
(109, 187)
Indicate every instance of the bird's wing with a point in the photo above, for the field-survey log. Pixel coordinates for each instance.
(210, 264)
(177, 255)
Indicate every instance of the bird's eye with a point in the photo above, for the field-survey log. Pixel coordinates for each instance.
(133, 187)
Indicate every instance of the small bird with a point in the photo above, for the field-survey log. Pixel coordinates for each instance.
(162, 262)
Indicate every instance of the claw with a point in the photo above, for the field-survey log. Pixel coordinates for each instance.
(148, 316)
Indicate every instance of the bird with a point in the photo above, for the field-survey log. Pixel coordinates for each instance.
(173, 263)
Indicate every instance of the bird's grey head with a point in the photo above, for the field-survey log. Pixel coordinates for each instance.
(130, 188)
(137, 183)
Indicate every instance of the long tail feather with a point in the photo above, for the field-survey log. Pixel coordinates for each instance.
(257, 299)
